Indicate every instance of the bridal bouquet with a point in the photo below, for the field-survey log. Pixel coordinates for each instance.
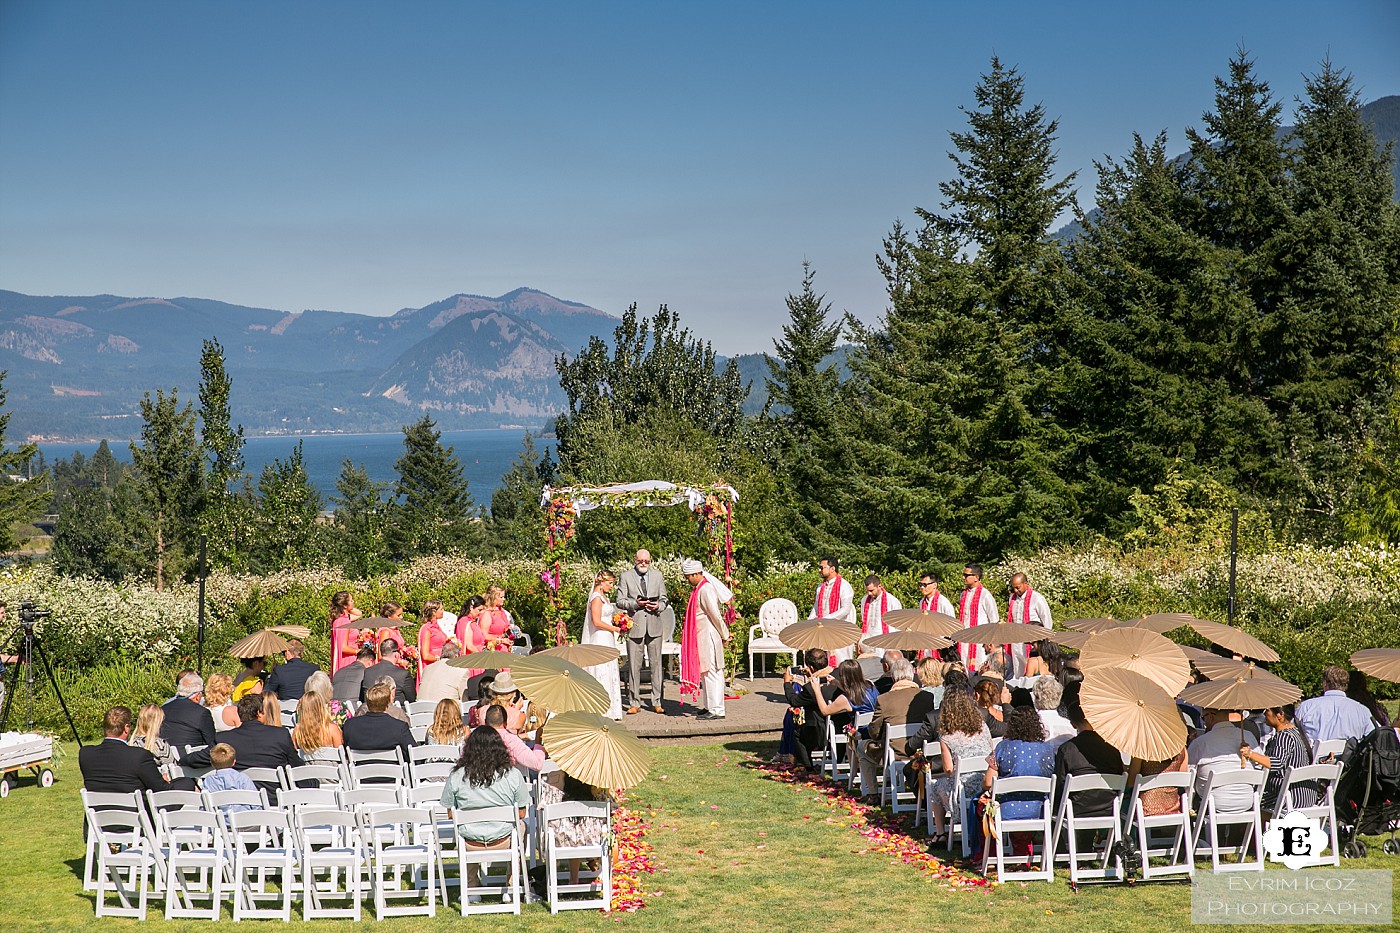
(623, 622)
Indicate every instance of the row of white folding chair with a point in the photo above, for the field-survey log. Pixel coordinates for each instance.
(1322, 779)
(836, 766)
(1328, 750)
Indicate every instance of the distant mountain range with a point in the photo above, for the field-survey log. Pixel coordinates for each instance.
(78, 366)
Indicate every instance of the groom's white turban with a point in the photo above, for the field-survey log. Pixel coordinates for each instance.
(690, 565)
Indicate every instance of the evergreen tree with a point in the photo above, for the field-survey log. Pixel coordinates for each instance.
(21, 500)
(957, 443)
(361, 516)
(88, 536)
(289, 510)
(226, 516)
(170, 480)
(435, 511)
(516, 516)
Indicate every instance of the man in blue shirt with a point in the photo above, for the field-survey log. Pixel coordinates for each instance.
(1334, 715)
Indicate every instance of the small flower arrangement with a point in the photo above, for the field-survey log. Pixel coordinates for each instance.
(408, 659)
(623, 622)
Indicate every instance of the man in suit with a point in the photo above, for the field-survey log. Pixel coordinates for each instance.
(442, 681)
(349, 682)
(811, 735)
(188, 722)
(258, 745)
(403, 680)
(892, 709)
(113, 766)
(641, 593)
(288, 681)
(374, 730)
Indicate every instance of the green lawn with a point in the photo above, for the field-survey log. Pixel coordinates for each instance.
(737, 851)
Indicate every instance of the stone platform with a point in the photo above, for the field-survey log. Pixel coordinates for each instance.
(757, 712)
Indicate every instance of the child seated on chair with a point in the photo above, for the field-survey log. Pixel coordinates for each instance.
(224, 777)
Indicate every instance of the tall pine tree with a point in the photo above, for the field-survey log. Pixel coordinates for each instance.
(434, 512)
(169, 481)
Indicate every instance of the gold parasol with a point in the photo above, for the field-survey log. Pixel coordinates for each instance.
(1137, 649)
(596, 751)
(1092, 626)
(1233, 639)
(1162, 622)
(820, 633)
(1001, 633)
(582, 655)
(921, 620)
(1218, 668)
(1250, 688)
(487, 660)
(1194, 654)
(908, 640)
(558, 685)
(260, 644)
(371, 622)
(295, 631)
(1378, 662)
(1075, 640)
(1132, 713)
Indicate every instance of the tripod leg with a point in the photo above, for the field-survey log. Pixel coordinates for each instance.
(53, 682)
(10, 684)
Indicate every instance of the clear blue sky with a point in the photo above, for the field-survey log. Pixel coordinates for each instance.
(368, 156)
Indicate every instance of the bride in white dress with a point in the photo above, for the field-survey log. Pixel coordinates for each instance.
(598, 629)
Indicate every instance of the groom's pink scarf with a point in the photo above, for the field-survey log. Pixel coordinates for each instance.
(690, 644)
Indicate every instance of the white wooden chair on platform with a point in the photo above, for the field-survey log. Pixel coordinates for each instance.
(766, 637)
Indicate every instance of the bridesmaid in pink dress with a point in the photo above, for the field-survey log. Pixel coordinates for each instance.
(435, 632)
(394, 611)
(344, 641)
(470, 632)
(495, 620)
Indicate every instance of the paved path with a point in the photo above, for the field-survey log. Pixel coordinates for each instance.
(759, 710)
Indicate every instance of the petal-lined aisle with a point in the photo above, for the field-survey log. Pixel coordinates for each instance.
(633, 857)
(884, 833)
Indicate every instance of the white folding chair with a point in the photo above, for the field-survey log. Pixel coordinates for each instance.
(1212, 819)
(1321, 778)
(773, 616)
(1328, 750)
(322, 774)
(196, 863)
(355, 756)
(331, 845)
(289, 711)
(424, 719)
(301, 798)
(511, 887)
(421, 753)
(125, 860)
(264, 846)
(419, 733)
(103, 800)
(216, 800)
(401, 839)
(892, 790)
(371, 773)
(1002, 827)
(597, 883)
(432, 772)
(428, 797)
(962, 770)
(420, 707)
(1070, 824)
(264, 775)
(1175, 847)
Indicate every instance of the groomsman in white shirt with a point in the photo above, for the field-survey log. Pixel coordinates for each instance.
(834, 600)
(874, 605)
(1027, 607)
(976, 606)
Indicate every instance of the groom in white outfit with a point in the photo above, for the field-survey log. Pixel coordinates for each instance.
(712, 634)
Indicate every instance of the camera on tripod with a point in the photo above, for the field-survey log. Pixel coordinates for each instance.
(28, 615)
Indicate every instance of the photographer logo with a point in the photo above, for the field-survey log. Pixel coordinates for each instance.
(1295, 840)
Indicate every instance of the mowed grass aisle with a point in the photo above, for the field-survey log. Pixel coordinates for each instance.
(734, 849)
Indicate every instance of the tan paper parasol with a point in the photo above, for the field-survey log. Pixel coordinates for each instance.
(371, 622)
(1075, 640)
(596, 751)
(558, 685)
(908, 641)
(820, 633)
(1194, 654)
(260, 644)
(582, 655)
(1155, 657)
(1233, 639)
(1000, 633)
(1218, 668)
(921, 620)
(1251, 688)
(1162, 622)
(295, 631)
(1132, 713)
(1093, 626)
(1378, 662)
(484, 660)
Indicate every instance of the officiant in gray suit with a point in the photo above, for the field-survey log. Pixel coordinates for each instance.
(641, 593)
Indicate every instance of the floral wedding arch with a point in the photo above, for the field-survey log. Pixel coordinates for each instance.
(712, 506)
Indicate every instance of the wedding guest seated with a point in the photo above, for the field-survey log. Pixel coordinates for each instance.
(319, 683)
(226, 777)
(1334, 715)
(886, 680)
(388, 667)
(259, 745)
(250, 679)
(963, 736)
(113, 765)
(395, 707)
(798, 740)
(374, 729)
(1023, 752)
(996, 664)
(272, 709)
(854, 694)
(288, 679)
(146, 734)
(1286, 748)
(1219, 749)
(1046, 695)
(482, 778)
(316, 735)
(188, 723)
(443, 681)
(218, 693)
(1163, 800)
(348, 684)
(477, 683)
(990, 693)
(954, 681)
(520, 753)
(1086, 753)
(1046, 660)
(891, 709)
(447, 727)
(930, 674)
